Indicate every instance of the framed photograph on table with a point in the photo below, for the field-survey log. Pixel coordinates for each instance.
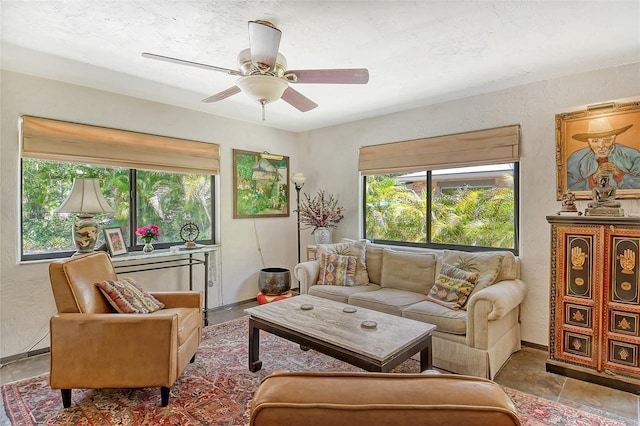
(260, 184)
(603, 139)
(115, 241)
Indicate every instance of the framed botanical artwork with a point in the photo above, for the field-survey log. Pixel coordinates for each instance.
(603, 139)
(260, 184)
(115, 241)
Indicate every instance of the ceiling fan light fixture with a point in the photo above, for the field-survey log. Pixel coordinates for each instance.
(262, 88)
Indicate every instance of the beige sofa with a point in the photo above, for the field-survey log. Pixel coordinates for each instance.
(474, 340)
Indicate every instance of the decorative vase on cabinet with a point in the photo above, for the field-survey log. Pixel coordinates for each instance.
(595, 300)
(322, 235)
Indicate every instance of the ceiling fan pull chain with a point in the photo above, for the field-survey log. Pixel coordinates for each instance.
(262, 103)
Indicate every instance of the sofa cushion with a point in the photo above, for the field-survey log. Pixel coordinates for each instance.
(127, 297)
(336, 269)
(339, 293)
(408, 271)
(374, 263)
(486, 264)
(388, 300)
(351, 248)
(452, 287)
(446, 320)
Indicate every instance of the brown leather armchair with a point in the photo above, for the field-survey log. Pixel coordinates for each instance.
(94, 347)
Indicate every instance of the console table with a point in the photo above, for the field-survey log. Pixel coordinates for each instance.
(165, 258)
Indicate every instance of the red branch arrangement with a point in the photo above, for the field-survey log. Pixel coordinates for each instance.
(320, 212)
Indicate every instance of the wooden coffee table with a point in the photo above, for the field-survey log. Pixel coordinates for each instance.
(327, 328)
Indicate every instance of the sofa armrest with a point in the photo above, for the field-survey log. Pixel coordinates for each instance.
(179, 299)
(307, 274)
(129, 348)
(492, 304)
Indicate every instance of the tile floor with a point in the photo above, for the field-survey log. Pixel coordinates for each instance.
(525, 371)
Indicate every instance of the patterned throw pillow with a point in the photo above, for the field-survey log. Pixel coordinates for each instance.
(127, 297)
(336, 269)
(453, 287)
(352, 248)
(486, 264)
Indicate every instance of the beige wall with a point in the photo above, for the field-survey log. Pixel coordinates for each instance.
(327, 156)
(532, 106)
(26, 303)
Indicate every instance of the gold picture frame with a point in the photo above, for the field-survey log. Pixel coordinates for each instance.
(260, 184)
(601, 139)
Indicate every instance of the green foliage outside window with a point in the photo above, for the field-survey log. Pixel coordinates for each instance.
(166, 199)
(468, 216)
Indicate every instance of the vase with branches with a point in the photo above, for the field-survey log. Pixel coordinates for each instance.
(320, 212)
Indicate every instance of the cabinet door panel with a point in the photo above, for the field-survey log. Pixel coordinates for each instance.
(579, 261)
(624, 270)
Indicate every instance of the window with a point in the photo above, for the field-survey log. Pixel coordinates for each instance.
(164, 198)
(146, 179)
(457, 191)
(466, 206)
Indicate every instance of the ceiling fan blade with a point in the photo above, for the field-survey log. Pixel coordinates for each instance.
(298, 100)
(264, 41)
(189, 63)
(332, 76)
(222, 95)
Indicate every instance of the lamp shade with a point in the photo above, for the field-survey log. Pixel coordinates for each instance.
(262, 88)
(298, 179)
(85, 197)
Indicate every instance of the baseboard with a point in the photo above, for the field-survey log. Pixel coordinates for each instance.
(535, 346)
(17, 357)
(231, 305)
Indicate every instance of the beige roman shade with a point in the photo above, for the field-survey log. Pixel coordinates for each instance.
(80, 143)
(499, 145)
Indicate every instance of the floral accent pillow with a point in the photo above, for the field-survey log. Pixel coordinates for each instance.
(336, 269)
(127, 297)
(352, 248)
(452, 287)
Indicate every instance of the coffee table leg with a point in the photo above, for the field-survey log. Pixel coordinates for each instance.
(426, 361)
(254, 347)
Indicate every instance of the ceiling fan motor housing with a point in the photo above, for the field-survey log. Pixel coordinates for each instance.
(246, 67)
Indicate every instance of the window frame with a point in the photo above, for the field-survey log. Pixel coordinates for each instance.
(434, 245)
(132, 245)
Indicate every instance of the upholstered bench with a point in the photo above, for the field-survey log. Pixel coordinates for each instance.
(379, 399)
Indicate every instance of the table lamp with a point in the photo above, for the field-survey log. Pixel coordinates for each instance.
(85, 199)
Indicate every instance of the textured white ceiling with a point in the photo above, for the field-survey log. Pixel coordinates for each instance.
(417, 52)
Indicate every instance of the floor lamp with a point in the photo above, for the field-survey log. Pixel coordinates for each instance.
(298, 180)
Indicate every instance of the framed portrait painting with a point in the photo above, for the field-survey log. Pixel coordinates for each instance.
(115, 241)
(601, 140)
(260, 184)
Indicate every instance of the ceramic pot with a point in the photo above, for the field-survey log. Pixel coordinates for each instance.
(322, 235)
(274, 281)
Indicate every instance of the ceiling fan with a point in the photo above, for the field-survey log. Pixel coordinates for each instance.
(263, 71)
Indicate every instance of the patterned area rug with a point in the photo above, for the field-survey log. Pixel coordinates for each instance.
(217, 389)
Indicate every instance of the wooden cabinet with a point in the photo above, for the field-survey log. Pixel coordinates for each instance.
(595, 300)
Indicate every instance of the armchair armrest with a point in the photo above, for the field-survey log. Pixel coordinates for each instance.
(179, 299)
(114, 350)
(492, 304)
(307, 274)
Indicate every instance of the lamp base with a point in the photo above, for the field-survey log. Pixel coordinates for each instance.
(85, 233)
